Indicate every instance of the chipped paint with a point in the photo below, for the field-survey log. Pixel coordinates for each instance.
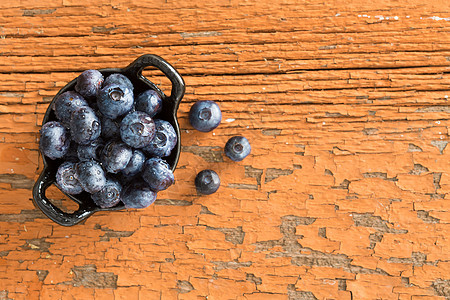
(345, 194)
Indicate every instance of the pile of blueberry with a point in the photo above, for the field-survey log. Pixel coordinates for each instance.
(206, 116)
(110, 142)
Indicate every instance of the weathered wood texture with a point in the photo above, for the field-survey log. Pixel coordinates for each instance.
(345, 195)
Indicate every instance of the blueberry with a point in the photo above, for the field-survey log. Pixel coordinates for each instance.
(137, 194)
(137, 129)
(85, 125)
(91, 150)
(54, 142)
(118, 78)
(135, 164)
(149, 102)
(164, 141)
(205, 115)
(66, 104)
(207, 182)
(109, 195)
(237, 148)
(91, 176)
(126, 179)
(115, 156)
(72, 152)
(110, 128)
(115, 100)
(157, 174)
(66, 179)
(89, 83)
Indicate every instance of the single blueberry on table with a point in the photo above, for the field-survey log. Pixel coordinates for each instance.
(85, 125)
(207, 182)
(237, 148)
(149, 102)
(66, 104)
(137, 194)
(156, 172)
(109, 195)
(115, 156)
(135, 164)
(137, 129)
(114, 100)
(66, 179)
(90, 175)
(89, 83)
(54, 142)
(205, 115)
(91, 150)
(120, 79)
(110, 128)
(164, 141)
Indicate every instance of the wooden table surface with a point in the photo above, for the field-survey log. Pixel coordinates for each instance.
(344, 196)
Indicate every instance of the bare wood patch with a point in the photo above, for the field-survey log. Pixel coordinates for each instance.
(208, 153)
(294, 294)
(425, 216)
(243, 186)
(221, 265)
(272, 173)
(414, 148)
(41, 274)
(199, 34)
(88, 276)
(441, 287)
(37, 244)
(34, 12)
(17, 181)
(174, 202)
(369, 220)
(252, 278)
(205, 211)
(109, 233)
(232, 235)
(4, 295)
(440, 145)
(253, 173)
(26, 215)
(417, 259)
(271, 132)
(184, 286)
(418, 169)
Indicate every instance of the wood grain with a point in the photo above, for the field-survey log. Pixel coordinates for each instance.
(345, 194)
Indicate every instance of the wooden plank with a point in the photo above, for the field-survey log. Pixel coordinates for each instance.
(345, 193)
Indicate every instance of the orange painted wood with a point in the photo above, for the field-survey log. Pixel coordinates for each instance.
(345, 194)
